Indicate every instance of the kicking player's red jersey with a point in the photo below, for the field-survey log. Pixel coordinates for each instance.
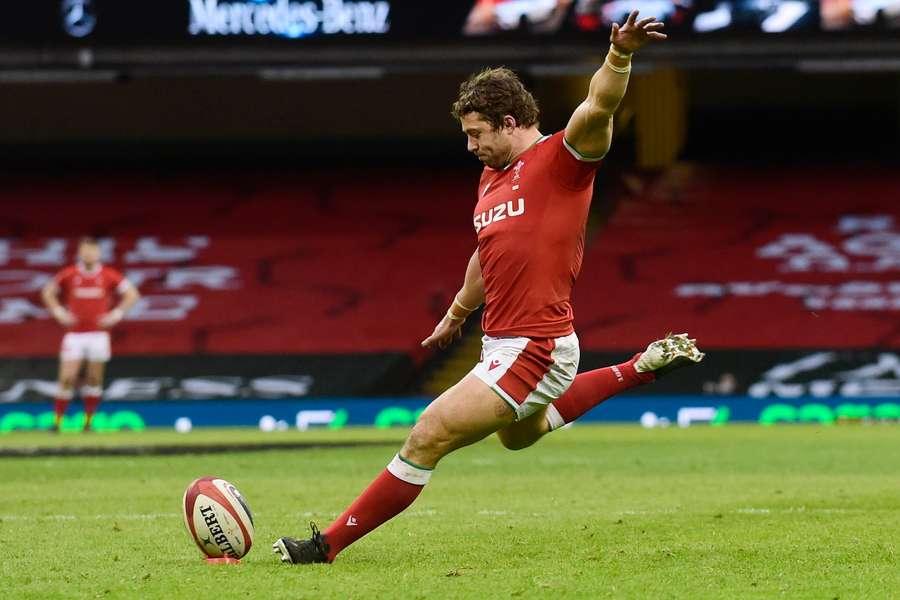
(88, 295)
(530, 220)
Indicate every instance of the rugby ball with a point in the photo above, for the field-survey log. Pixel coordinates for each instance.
(218, 518)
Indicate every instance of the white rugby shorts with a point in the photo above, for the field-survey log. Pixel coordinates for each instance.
(92, 346)
(528, 373)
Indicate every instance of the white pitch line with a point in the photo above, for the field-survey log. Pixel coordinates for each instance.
(117, 517)
(800, 509)
(752, 510)
(749, 510)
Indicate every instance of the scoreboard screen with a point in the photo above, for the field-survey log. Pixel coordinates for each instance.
(293, 22)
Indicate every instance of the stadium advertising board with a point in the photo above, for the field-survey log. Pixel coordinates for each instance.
(289, 21)
(222, 377)
(269, 415)
(773, 376)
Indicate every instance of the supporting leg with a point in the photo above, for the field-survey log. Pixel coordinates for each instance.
(464, 414)
(92, 391)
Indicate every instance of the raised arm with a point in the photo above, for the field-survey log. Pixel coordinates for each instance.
(589, 131)
(469, 297)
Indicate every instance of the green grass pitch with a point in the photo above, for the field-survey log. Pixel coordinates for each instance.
(591, 512)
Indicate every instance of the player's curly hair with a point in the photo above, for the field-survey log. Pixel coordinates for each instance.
(495, 93)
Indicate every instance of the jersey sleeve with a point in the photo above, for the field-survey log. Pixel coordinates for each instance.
(63, 277)
(573, 170)
(117, 282)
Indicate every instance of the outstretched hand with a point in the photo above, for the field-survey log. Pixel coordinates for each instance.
(634, 34)
(444, 334)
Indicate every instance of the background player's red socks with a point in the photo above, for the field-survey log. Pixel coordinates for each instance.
(91, 396)
(384, 499)
(60, 404)
(593, 387)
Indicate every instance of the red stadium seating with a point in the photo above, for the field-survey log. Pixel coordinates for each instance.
(365, 261)
(339, 262)
(834, 284)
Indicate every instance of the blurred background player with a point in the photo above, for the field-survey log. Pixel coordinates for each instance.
(80, 298)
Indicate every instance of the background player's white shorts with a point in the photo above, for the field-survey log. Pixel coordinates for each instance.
(92, 346)
(528, 373)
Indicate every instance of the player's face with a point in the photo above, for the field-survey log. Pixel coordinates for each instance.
(491, 146)
(89, 254)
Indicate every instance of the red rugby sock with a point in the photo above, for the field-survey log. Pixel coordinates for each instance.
(593, 387)
(91, 402)
(59, 410)
(384, 499)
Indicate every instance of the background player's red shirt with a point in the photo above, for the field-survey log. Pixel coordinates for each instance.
(530, 220)
(89, 295)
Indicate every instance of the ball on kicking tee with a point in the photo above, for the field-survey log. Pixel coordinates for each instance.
(218, 518)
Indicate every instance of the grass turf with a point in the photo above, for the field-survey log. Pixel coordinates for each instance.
(591, 512)
(198, 437)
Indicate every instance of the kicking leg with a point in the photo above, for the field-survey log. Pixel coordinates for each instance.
(587, 391)
(524, 433)
(590, 389)
(593, 387)
(464, 414)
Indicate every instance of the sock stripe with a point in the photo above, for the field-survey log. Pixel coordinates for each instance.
(403, 470)
(414, 465)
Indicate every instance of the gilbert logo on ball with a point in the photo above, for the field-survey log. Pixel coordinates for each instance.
(218, 518)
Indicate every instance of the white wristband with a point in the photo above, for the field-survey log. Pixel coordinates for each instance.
(619, 53)
(462, 306)
(620, 70)
(453, 317)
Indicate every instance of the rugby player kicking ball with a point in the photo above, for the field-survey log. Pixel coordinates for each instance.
(530, 216)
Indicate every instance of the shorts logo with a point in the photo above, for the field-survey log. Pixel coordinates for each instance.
(498, 213)
(494, 364)
(351, 521)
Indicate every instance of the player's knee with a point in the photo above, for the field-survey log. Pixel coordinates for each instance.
(428, 441)
(67, 382)
(93, 381)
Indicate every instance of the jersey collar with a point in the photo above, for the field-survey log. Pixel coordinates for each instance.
(530, 146)
(82, 268)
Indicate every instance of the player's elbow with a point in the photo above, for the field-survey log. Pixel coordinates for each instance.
(47, 294)
(600, 112)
